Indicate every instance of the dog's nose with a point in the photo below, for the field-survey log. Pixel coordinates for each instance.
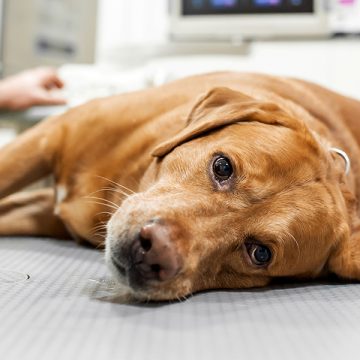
(154, 255)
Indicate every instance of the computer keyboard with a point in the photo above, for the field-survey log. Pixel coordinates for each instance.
(87, 82)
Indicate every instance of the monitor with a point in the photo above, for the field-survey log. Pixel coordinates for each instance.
(219, 19)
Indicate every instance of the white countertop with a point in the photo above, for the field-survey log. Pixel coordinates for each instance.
(332, 63)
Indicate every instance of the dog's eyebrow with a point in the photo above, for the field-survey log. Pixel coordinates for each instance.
(253, 199)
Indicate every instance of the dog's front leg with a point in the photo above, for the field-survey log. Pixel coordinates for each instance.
(31, 213)
(29, 157)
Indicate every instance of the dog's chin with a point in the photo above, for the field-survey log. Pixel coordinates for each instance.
(132, 291)
(124, 290)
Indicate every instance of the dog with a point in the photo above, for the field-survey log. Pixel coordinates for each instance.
(223, 180)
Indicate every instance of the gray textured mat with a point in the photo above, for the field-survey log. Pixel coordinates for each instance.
(55, 315)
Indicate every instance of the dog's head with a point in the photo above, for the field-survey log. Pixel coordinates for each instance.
(243, 194)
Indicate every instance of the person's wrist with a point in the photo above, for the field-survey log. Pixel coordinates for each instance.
(12, 95)
(5, 100)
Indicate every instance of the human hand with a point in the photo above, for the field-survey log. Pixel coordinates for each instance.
(29, 88)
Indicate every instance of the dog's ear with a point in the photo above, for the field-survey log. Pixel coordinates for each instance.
(219, 107)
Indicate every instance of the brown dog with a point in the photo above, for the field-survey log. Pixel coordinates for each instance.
(223, 180)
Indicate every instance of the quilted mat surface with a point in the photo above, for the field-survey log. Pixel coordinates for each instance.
(52, 306)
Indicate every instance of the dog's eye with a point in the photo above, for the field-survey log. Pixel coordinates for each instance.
(222, 168)
(259, 254)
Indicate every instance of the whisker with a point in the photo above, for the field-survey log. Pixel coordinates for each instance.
(102, 199)
(103, 204)
(117, 184)
(110, 189)
(98, 246)
(292, 237)
(104, 212)
(99, 198)
(100, 223)
(97, 233)
(119, 191)
(105, 201)
(98, 228)
(95, 192)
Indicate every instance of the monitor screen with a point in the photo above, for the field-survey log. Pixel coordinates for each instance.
(238, 7)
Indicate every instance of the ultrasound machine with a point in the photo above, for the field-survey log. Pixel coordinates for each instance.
(234, 19)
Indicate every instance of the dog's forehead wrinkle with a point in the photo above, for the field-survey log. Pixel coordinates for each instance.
(271, 193)
(255, 139)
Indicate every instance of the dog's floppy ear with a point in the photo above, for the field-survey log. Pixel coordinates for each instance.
(219, 107)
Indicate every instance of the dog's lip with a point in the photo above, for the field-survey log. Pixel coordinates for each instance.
(121, 268)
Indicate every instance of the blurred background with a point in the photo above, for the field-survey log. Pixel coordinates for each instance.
(105, 47)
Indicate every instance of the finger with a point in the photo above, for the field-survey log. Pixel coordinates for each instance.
(49, 78)
(57, 82)
(47, 98)
(53, 81)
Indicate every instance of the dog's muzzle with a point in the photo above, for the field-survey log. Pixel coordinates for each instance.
(149, 257)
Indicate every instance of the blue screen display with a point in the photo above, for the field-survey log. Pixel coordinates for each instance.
(223, 3)
(267, 2)
(221, 7)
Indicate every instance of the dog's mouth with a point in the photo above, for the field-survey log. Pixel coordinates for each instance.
(131, 272)
(119, 267)
(134, 289)
(138, 279)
